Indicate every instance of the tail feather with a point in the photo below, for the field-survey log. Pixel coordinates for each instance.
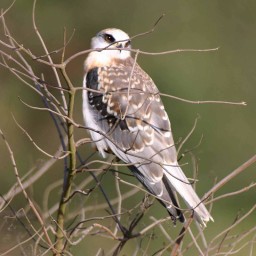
(164, 194)
(180, 183)
(179, 213)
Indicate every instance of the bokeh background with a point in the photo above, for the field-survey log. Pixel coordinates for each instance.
(227, 74)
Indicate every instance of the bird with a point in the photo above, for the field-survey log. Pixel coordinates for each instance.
(124, 114)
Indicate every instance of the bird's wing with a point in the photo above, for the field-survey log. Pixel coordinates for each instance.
(127, 107)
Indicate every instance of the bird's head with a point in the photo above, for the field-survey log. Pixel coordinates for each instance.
(112, 38)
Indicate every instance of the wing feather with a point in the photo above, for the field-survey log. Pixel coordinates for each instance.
(126, 106)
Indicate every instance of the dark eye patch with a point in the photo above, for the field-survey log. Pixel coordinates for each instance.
(109, 38)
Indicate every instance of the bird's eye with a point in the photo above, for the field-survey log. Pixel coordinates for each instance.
(109, 38)
(128, 43)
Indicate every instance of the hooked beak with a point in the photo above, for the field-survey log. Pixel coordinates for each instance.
(119, 45)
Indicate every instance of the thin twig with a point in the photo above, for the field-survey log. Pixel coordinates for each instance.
(33, 142)
(47, 52)
(234, 193)
(120, 200)
(24, 191)
(195, 242)
(242, 103)
(7, 9)
(78, 54)
(179, 239)
(231, 227)
(8, 252)
(229, 177)
(188, 136)
(149, 31)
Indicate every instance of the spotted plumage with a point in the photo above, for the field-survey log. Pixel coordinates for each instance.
(122, 102)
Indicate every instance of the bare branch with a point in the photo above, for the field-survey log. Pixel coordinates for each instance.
(8, 9)
(242, 103)
(48, 55)
(41, 150)
(151, 30)
(233, 174)
(24, 191)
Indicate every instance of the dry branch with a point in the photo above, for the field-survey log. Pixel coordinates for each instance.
(72, 226)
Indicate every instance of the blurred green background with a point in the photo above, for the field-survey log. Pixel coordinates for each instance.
(227, 74)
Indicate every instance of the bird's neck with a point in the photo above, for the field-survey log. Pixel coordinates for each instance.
(106, 58)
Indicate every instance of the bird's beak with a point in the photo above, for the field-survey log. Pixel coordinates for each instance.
(119, 45)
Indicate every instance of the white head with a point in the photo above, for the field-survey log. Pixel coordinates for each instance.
(112, 38)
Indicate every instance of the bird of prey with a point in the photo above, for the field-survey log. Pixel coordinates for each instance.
(125, 115)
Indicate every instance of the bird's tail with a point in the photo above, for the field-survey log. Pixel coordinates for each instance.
(179, 182)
